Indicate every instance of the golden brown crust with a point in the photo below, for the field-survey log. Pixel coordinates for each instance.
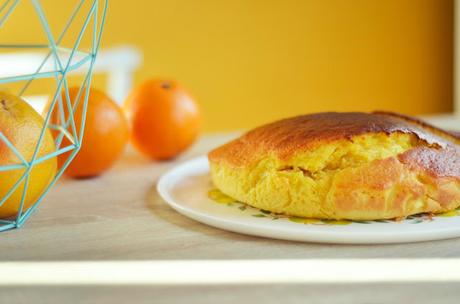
(286, 137)
(449, 135)
(436, 162)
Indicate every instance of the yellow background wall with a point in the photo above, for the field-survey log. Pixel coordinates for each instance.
(252, 61)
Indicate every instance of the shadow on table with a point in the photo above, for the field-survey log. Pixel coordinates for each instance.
(156, 205)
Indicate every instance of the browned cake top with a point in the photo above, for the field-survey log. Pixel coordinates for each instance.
(286, 137)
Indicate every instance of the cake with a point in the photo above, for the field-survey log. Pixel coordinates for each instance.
(354, 166)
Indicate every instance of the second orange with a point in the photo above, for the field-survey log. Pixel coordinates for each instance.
(105, 135)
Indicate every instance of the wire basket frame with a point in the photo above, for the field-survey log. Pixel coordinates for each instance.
(58, 62)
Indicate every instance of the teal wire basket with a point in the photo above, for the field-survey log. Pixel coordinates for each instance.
(61, 56)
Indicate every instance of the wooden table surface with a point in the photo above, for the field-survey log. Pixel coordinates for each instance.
(119, 216)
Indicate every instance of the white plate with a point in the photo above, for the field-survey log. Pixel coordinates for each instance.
(185, 188)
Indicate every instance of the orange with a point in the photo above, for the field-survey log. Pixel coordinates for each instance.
(165, 119)
(105, 134)
(22, 126)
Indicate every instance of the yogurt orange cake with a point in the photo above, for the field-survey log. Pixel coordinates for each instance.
(356, 166)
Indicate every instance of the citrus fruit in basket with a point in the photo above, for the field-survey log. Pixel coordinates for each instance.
(22, 126)
(165, 119)
(105, 134)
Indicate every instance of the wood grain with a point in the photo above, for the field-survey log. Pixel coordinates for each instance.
(267, 294)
